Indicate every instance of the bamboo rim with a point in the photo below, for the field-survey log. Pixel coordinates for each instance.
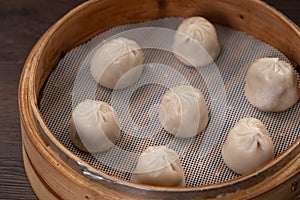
(32, 121)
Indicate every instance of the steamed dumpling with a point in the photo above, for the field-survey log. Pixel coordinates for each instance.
(117, 64)
(271, 85)
(183, 111)
(94, 126)
(196, 42)
(159, 166)
(248, 146)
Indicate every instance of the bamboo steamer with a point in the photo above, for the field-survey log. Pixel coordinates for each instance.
(55, 173)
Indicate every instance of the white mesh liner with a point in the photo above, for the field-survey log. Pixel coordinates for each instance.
(71, 82)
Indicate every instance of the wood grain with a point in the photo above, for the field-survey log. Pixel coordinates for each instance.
(22, 23)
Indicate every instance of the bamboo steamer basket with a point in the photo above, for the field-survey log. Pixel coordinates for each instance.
(55, 173)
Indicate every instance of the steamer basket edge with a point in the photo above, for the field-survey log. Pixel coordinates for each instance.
(37, 68)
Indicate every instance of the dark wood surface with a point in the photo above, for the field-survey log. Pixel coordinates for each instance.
(22, 23)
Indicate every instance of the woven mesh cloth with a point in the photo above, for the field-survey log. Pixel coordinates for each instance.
(222, 84)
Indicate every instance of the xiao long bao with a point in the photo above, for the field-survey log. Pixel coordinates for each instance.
(117, 64)
(196, 42)
(94, 126)
(183, 111)
(247, 146)
(271, 85)
(159, 166)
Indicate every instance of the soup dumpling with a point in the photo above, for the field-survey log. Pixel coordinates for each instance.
(247, 146)
(271, 85)
(94, 126)
(117, 64)
(183, 111)
(159, 166)
(196, 42)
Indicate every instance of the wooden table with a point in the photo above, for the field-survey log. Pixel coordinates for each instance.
(22, 23)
